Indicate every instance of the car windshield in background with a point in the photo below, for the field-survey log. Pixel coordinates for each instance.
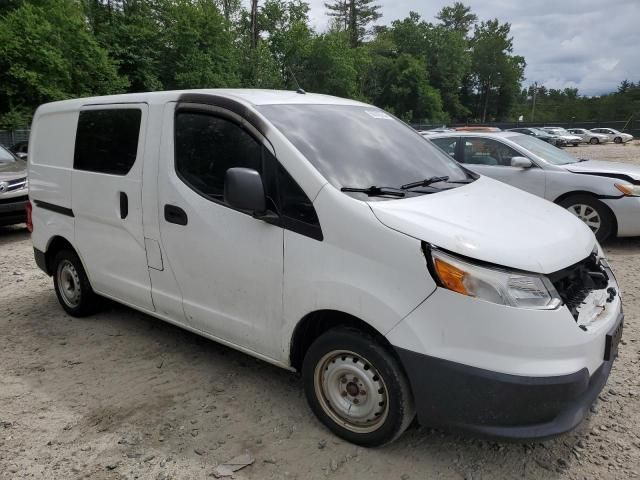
(5, 156)
(544, 150)
(354, 146)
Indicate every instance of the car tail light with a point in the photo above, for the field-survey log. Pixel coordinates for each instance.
(29, 208)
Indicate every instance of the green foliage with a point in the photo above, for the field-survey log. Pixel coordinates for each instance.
(496, 73)
(47, 53)
(330, 66)
(454, 69)
(457, 18)
(354, 17)
(553, 105)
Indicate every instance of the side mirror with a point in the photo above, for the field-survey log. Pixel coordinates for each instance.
(521, 162)
(243, 190)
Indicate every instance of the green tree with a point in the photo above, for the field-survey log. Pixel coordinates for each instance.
(48, 53)
(496, 72)
(354, 16)
(288, 36)
(457, 18)
(199, 49)
(330, 66)
(130, 32)
(398, 80)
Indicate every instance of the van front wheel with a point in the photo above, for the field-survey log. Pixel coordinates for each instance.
(72, 285)
(357, 388)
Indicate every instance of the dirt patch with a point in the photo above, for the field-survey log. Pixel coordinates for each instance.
(122, 395)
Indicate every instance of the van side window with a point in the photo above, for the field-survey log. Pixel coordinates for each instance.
(207, 146)
(107, 140)
(294, 203)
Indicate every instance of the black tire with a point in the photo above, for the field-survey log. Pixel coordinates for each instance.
(388, 406)
(594, 141)
(607, 220)
(69, 276)
(617, 140)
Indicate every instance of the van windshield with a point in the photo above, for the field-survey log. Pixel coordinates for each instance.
(359, 146)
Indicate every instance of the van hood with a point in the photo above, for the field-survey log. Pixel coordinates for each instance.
(603, 168)
(493, 222)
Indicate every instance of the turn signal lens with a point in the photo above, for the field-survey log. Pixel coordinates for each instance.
(628, 189)
(450, 276)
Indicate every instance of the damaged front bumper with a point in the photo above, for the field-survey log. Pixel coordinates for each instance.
(507, 372)
(499, 405)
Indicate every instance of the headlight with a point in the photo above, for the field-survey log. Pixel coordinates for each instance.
(628, 189)
(496, 285)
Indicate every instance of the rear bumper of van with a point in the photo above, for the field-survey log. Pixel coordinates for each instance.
(13, 210)
(493, 404)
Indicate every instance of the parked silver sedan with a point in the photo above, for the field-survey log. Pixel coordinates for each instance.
(614, 135)
(588, 136)
(605, 195)
(569, 138)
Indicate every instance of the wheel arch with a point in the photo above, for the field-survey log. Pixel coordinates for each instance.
(576, 193)
(56, 244)
(314, 324)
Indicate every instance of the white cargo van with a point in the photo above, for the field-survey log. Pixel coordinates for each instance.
(325, 236)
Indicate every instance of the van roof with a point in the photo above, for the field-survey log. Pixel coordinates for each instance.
(249, 96)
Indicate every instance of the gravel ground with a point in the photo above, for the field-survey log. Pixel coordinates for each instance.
(122, 395)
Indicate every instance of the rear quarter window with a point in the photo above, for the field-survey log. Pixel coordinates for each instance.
(107, 140)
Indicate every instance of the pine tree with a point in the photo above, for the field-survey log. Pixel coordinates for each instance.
(354, 16)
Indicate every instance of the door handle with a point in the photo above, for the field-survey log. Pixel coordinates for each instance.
(173, 214)
(124, 205)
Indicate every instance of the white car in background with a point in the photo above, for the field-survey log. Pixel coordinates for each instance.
(569, 138)
(588, 136)
(604, 195)
(614, 135)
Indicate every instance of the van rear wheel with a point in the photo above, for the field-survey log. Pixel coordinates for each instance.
(357, 388)
(72, 286)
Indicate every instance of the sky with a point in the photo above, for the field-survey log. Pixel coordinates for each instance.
(589, 44)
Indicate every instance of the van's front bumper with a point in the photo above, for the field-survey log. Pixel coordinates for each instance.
(500, 405)
(503, 371)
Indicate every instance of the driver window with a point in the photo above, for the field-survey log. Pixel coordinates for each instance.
(486, 151)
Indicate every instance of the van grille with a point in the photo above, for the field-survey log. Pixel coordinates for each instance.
(576, 282)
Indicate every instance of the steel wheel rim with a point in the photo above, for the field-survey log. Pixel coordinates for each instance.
(588, 215)
(69, 284)
(351, 391)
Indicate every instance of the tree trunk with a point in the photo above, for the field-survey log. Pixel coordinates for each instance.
(254, 23)
(353, 23)
(486, 104)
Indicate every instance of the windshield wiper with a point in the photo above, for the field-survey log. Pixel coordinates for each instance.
(374, 191)
(583, 159)
(463, 181)
(424, 183)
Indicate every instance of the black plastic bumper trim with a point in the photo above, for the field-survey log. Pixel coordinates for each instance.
(460, 397)
(41, 260)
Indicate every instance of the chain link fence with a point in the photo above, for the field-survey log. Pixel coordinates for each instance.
(11, 137)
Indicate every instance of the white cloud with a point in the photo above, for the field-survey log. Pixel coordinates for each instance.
(589, 44)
